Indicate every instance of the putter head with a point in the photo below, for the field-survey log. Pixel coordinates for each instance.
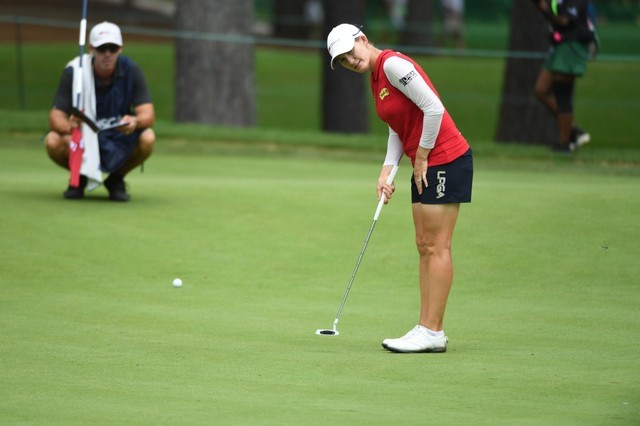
(327, 332)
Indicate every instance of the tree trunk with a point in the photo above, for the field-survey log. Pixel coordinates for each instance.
(523, 119)
(215, 65)
(417, 31)
(345, 94)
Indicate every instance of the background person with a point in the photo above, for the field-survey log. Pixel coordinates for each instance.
(571, 34)
(421, 128)
(453, 22)
(121, 95)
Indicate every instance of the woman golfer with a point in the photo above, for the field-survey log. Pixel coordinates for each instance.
(421, 128)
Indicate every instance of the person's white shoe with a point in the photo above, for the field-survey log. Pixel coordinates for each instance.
(417, 340)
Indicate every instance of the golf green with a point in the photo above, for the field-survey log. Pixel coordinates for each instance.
(543, 319)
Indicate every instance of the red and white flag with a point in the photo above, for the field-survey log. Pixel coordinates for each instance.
(76, 151)
(84, 153)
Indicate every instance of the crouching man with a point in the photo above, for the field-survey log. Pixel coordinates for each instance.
(118, 95)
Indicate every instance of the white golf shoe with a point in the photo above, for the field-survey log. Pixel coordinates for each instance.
(417, 340)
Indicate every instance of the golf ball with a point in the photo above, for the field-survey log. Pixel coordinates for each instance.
(177, 282)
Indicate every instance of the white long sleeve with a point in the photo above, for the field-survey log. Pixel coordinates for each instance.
(394, 149)
(404, 77)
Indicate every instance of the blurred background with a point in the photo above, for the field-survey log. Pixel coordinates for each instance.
(263, 64)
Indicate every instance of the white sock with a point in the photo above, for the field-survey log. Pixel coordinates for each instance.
(434, 333)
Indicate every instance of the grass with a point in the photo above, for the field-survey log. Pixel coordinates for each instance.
(264, 226)
(542, 320)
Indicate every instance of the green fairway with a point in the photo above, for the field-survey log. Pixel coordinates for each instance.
(543, 319)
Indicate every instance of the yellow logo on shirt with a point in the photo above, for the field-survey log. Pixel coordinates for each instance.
(383, 93)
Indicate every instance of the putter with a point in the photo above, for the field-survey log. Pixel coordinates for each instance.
(81, 43)
(76, 145)
(333, 331)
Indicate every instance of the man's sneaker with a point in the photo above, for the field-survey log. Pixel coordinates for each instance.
(417, 340)
(579, 137)
(116, 187)
(75, 193)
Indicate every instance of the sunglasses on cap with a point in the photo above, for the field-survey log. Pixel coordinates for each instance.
(113, 48)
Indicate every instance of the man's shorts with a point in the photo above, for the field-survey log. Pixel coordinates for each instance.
(448, 183)
(569, 57)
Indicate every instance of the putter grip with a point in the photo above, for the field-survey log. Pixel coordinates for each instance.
(392, 176)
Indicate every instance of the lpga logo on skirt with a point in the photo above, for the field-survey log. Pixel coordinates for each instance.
(442, 179)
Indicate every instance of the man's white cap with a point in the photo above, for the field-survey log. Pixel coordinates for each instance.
(105, 33)
(341, 40)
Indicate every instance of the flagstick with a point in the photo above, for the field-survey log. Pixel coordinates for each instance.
(76, 146)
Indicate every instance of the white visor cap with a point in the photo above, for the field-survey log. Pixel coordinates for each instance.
(341, 40)
(105, 33)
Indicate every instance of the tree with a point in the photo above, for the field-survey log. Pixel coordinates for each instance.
(215, 62)
(344, 93)
(522, 118)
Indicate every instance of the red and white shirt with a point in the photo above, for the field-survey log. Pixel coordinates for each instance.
(407, 101)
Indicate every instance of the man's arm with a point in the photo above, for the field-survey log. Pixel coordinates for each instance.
(143, 118)
(62, 123)
(145, 115)
(144, 112)
(558, 20)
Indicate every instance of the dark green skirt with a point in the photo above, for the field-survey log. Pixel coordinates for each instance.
(569, 57)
